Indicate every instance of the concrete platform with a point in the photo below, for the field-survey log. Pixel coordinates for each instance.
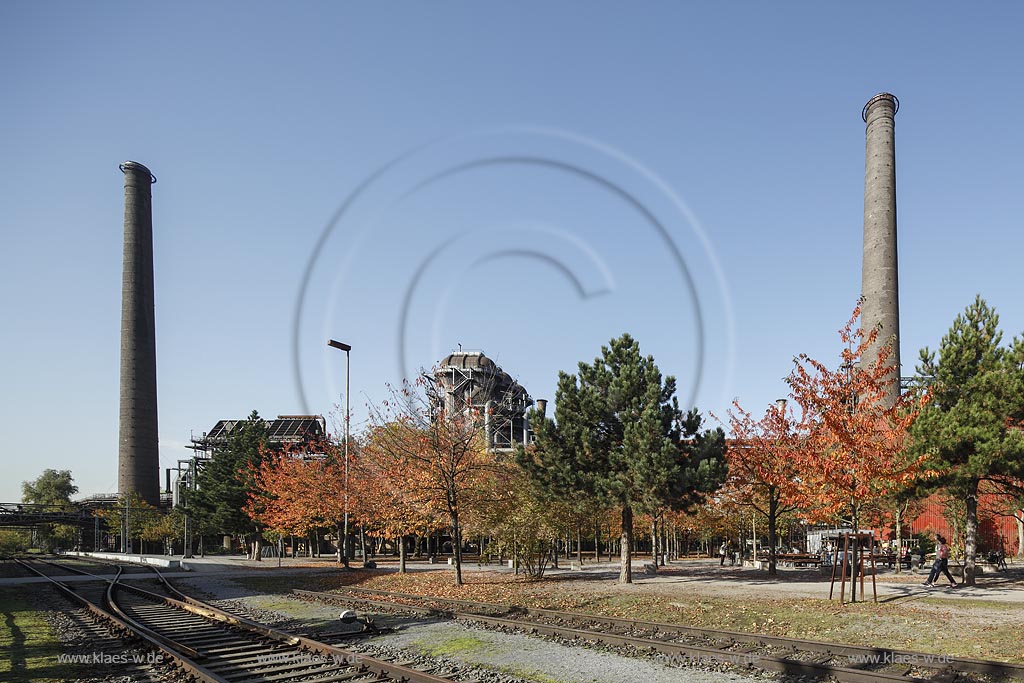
(154, 560)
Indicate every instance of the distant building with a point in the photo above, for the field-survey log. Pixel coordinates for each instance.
(469, 380)
(285, 430)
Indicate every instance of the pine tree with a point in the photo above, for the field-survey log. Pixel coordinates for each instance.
(619, 436)
(972, 427)
(223, 484)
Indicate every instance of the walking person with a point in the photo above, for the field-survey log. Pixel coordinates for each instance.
(941, 564)
(722, 552)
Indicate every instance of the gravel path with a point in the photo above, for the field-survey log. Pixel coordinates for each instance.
(536, 659)
(489, 656)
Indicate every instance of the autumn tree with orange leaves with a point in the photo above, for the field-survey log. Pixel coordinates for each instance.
(278, 501)
(300, 489)
(766, 466)
(855, 449)
(391, 490)
(440, 449)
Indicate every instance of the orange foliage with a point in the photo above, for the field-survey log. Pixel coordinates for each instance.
(855, 449)
(392, 488)
(302, 488)
(765, 459)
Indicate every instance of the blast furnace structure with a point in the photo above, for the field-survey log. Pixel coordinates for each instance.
(471, 380)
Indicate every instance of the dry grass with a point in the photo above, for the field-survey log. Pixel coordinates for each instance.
(953, 625)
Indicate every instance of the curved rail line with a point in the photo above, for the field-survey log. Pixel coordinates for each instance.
(215, 646)
(852, 663)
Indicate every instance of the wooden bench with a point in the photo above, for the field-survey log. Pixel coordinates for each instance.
(890, 559)
(798, 559)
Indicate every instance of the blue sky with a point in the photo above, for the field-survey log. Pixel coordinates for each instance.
(528, 179)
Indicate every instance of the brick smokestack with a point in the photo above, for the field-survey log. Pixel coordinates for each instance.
(138, 465)
(880, 281)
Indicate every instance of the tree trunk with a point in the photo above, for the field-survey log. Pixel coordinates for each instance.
(654, 540)
(1019, 518)
(626, 568)
(663, 543)
(579, 543)
(773, 521)
(342, 555)
(898, 518)
(597, 543)
(457, 547)
(971, 532)
(855, 550)
(401, 554)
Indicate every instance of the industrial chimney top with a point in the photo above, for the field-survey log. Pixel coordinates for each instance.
(136, 166)
(878, 98)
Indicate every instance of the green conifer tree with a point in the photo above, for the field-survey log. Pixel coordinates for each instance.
(972, 426)
(619, 436)
(223, 484)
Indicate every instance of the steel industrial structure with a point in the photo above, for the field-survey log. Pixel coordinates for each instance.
(285, 430)
(29, 517)
(469, 380)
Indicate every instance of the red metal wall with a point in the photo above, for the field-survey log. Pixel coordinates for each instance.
(991, 530)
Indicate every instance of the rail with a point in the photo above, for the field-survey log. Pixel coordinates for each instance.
(773, 653)
(230, 646)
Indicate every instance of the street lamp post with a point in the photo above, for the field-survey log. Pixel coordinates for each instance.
(346, 348)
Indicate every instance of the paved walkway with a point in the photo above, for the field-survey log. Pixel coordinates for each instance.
(704, 575)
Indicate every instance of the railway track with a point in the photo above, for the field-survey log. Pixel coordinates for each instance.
(677, 644)
(215, 646)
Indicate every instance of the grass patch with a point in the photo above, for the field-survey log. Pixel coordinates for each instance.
(30, 648)
(528, 674)
(455, 645)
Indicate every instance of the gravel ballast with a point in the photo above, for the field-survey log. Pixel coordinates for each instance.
(481, 654)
